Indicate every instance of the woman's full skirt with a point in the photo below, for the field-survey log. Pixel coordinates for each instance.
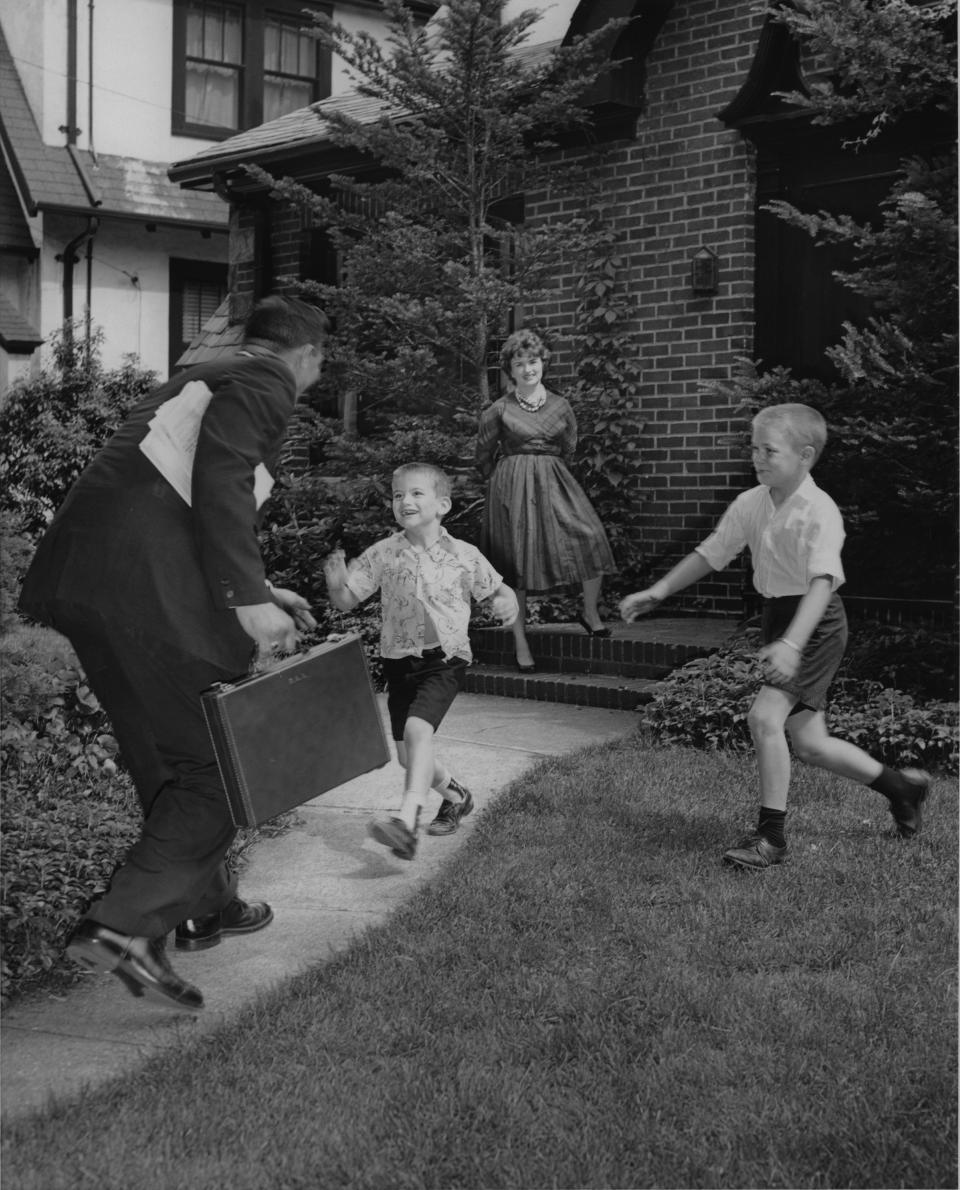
(539, 528)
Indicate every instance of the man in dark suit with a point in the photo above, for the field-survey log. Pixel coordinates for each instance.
(152, 569)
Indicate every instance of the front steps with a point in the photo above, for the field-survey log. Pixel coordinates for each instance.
(619, 672)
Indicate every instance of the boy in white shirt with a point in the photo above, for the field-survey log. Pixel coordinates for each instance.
(426, 580)
(795, 534)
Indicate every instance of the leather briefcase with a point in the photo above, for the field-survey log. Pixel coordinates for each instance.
(290, 733)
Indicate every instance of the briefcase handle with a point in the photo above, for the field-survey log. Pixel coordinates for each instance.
(273, 664)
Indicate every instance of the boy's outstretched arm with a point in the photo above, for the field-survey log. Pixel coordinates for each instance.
(690, 570)
(335, 572)
(503, 604)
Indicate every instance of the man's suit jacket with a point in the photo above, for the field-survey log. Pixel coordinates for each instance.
(125, 544)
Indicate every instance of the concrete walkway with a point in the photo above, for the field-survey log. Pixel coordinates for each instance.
(327, 882)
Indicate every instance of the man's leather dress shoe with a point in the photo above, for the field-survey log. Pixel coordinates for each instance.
(200, 933)
(141, 964)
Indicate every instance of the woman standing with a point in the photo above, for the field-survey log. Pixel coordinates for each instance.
(539, 529)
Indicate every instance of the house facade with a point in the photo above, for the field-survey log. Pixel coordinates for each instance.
(96, 100)
(690, 140)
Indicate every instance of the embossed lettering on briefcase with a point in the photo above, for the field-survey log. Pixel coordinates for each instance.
(291, 733)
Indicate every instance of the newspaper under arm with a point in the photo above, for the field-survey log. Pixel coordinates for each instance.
(171, 442)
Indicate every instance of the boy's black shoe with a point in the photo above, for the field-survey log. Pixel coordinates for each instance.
(449, 815)
(755, 851)
(396, 835)
(906, 810)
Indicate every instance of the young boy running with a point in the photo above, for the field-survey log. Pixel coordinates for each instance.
(426, 580)
(795, 534)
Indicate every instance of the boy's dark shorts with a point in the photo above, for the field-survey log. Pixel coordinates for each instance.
(823, 653)
(422, 686)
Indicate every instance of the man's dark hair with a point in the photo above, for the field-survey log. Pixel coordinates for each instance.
(286, 322)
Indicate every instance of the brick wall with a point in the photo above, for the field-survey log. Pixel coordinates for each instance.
(684, 182)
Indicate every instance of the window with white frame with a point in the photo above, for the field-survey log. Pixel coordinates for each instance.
(237, 65)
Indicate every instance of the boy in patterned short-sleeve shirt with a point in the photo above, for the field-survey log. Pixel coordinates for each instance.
(426, 579)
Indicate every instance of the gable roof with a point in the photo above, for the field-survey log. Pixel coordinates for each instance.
(304, 135)
(61, 177)
(217, 337)
(15, 236)
(300, 133)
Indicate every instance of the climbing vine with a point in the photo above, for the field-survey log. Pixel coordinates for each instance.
(605, 398)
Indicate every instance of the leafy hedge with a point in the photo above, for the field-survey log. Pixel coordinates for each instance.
(63, 836)
(705, 704)
(52, 423)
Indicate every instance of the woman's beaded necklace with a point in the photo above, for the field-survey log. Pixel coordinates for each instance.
(531, 405)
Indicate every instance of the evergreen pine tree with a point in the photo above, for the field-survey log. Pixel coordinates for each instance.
(434, 250)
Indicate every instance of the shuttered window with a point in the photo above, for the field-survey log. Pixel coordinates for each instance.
(200, 302)
(197, 289)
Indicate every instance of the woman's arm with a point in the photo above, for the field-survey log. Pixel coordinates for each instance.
(488, 439)
(568, 440)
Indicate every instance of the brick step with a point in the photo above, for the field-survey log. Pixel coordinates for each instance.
(643, 651)
(580, 689)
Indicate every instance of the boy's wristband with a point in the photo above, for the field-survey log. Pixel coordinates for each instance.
(796, 648)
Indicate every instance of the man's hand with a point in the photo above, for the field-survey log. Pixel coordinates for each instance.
(296, 606)
(639, 604)
(272, 629)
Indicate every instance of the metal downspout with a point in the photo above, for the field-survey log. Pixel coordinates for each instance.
(71, 132)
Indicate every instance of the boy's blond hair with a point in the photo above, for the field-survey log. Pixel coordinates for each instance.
(802, 425)
(442, 487)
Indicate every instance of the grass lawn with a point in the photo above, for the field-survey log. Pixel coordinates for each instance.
(585, 998)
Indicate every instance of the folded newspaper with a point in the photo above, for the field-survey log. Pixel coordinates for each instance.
(171, 442)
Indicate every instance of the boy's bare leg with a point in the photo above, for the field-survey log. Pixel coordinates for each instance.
(814, 744)
(767, 845)
(441, 775)
(419, 764)
(767, 720)
(906, 790)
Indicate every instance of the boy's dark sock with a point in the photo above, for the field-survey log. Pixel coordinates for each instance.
(771, 825)
(892, 784)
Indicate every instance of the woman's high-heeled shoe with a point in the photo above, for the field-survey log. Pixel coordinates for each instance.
(525, 669)
(603, 630)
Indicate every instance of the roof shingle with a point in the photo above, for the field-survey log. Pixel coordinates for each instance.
(47, 178)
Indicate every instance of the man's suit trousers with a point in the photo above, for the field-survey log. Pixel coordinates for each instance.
(151, 693)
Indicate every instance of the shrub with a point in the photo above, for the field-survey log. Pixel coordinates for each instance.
(52, 423)
(705, 704)
(16, 551)
(62, 839)
(49, 712)
(918, 660)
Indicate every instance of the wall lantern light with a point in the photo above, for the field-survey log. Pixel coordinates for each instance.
(705, 272)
